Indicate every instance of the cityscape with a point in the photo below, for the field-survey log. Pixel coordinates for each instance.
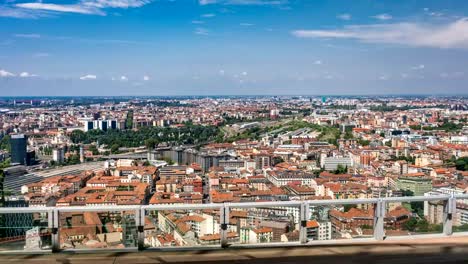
(233, 131)
(96, 152)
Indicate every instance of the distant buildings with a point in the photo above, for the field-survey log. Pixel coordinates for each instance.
(103, 125)
(416, 184)
(19, 152)
(332, 163)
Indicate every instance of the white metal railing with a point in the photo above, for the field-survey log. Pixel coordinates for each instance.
(140, 211)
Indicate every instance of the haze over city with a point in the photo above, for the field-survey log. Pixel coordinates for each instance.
(232, 47)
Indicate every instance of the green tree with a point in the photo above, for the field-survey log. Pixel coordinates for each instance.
(462, 164)
(422, 226)
(348, 207)
(151, 143)
(277, 160)
(93, 149)
(340, 169)
(115, 148)
(411, 224)
(77, 136)
(5, 143)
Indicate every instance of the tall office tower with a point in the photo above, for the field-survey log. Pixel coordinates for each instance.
(103, 125)
(82, 157)
(88, 125)
(18, 144)
(58, 155)
(112, 124)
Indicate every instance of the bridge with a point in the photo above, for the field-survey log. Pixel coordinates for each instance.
(132, 241)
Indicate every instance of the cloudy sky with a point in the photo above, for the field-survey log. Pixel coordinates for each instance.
(220, 47)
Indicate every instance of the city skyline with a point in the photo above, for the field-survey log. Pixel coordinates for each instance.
(232, 47)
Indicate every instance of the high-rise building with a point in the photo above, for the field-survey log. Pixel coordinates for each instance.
(58, 155)
(88, 125)
(18, 143)
(102, 125)
(82, 156)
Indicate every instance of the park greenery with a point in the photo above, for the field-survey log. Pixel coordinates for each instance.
(446, 126)
(329, 134)
(147, 136)
(129, 120)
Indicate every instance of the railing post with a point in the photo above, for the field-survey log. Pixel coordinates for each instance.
(55, 229)
(379, 220)
(304, 213)
(224, 221)
(450, 207)
(140, 216)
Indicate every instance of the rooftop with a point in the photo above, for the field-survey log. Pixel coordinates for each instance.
(426, 250)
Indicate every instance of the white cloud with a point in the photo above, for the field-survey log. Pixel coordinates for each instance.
(418, 67)
(384, 78)
(318, 62)
(201, 31)
(383, 17)
(146, 78)
(27, 35)
(197, 22)
(88, 7)
(116, 3)
(80, 9)
(221, 72)
(452, 75)
(436, 14)
(7, 11)
(451, 35)
(123, 78)
(246, 24)
(244, 2)
(208, 15)
(4, 73)
(27, 75)
(88, 77)
(244, 73)
(207, 2)
(344, 16)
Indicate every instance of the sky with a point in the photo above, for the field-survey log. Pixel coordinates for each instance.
(233, 47)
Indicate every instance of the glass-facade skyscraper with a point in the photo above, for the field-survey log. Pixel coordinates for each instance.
(18, 143)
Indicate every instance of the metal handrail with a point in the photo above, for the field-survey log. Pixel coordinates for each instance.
(183, 206)
(224, 208)
(6, 210)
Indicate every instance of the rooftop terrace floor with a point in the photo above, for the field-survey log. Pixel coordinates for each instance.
(412, 251)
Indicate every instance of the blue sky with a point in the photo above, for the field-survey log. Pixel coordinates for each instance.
(232, 47)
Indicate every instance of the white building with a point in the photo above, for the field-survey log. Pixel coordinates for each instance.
(331, 163)
(58, 155)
